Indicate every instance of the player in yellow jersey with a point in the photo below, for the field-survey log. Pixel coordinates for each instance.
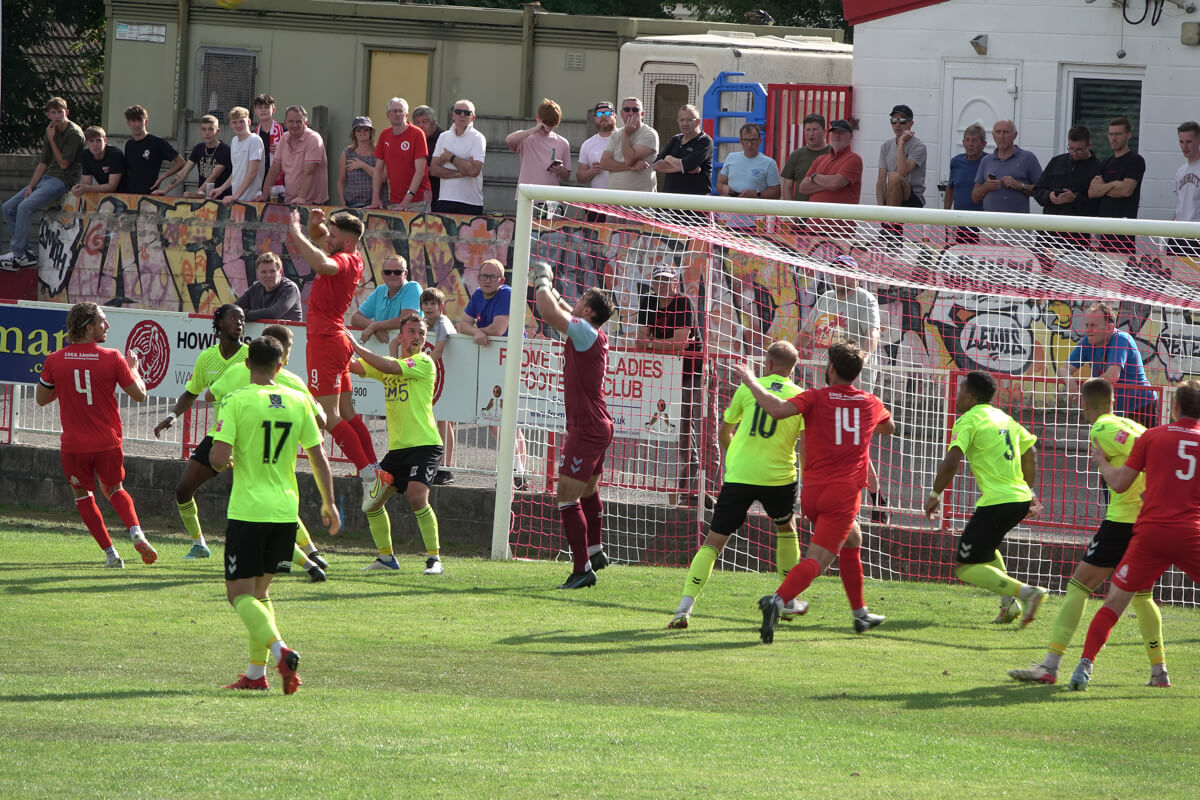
(258, 429)
(760, 465)
(1002, 458)
(414, 444)
(307, 557)
(1114, 436)
(229, 321)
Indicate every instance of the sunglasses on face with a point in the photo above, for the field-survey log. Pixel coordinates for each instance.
(899, 120)
(392, 271)
(607, 113)
(629, 110)
(463, 112)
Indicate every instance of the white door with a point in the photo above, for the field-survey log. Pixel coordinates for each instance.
(976, 93)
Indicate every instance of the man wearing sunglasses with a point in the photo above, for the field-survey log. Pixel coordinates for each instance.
(458, 161)
(628, 154)
(381, 312)
(901, 179)
(589, 172)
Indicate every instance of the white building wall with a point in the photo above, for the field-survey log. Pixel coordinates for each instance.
(901, 59)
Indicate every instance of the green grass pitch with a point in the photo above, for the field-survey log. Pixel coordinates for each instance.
(487, 683)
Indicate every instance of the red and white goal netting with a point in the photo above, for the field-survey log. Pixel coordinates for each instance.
(956, 291)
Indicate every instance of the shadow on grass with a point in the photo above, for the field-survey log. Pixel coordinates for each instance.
(122, 694)
(635, 640)
(92, 583)
(1002, 694)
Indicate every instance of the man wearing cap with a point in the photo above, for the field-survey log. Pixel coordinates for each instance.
(686, 161)
(802, 158)
(901, 179)
(589, 172)
(835, 177)
(458, 161)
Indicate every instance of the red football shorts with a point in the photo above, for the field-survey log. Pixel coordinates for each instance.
(82, 469)
(1152, 550)
(328, 360)
(832, 508)
(583, 456)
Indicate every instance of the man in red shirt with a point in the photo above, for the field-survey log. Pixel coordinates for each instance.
(332, 252)
(1167, 530)
(835, 177)
(589, 424)
(404, 155)
(839, 420)
(83, 378)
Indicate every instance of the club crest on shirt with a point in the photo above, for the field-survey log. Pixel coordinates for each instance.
(276, 400)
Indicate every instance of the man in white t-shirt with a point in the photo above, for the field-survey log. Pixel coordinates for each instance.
(458, 161)
(845, 313)
(630, 151)
(589, 172)
(1187, 188)
(248, 155)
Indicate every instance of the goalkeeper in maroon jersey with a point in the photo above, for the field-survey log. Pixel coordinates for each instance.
(1167, 530)
(589, 425)
(839, 421)
(83, 378)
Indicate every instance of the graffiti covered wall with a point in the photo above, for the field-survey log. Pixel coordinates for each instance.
(182, 254)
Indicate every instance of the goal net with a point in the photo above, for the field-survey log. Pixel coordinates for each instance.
(705, 283)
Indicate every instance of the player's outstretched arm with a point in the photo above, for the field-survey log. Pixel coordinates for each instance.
(388, 366)
(941, 481)
(315, 257)
(324, 478)
(184, 402)
(777, 407)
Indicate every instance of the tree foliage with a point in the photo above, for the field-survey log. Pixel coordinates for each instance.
(30, 75)
(600, 8)
(798, 13)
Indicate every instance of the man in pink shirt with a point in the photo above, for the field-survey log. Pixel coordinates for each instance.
(301, 156)
(403, 153)
(545, 156)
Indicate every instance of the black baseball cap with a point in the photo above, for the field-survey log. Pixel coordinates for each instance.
(841, 125)
(902, 111)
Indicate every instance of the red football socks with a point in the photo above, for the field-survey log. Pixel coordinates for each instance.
(94, 520)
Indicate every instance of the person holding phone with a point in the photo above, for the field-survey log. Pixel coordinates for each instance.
(1006, 176)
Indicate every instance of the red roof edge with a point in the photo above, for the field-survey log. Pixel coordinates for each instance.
(856, 11)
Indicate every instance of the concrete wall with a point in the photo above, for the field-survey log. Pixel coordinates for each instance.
(903, 59)
(317, 53)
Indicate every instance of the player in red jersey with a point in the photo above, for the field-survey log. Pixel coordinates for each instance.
(839, 420)
(589, 425)
(83, 378)
(332, 252)
(1167, 530)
